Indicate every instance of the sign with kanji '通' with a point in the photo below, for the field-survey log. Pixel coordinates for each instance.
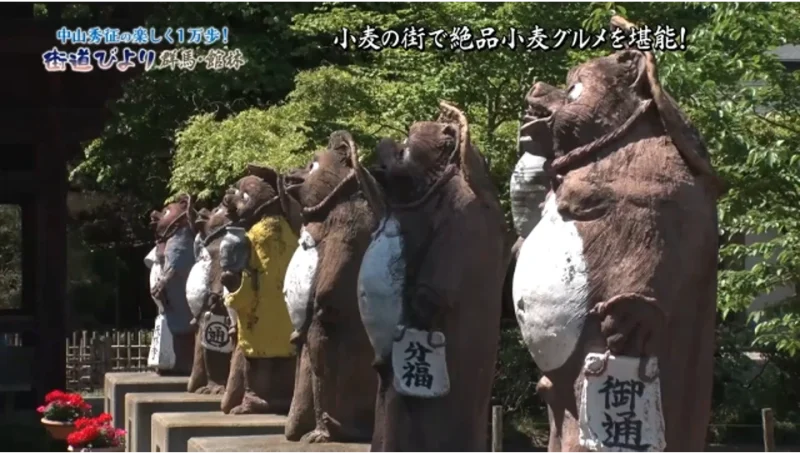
(620, 411)
(420, 366)
(216, 333)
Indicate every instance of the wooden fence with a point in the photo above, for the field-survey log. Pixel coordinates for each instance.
(91, 354)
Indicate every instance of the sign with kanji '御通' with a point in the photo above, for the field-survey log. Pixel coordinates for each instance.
(420, 366)
(619, 411)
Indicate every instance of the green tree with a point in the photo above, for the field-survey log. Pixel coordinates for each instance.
(134, 155)
(740, 97)
(10, 257)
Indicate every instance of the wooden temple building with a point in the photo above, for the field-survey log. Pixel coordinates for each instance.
(44, 118)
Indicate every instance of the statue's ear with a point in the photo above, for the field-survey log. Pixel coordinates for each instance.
(683, 134)
(290, 207)
(369, 186)
(184, 200)
(342, 144)
(635, 63)
(472, 164)
(265, 173)
(199, 219)
(155, 217)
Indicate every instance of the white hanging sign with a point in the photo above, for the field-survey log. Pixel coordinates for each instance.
(619, 410)
(419, 362)
(216, 333)
(162, 352)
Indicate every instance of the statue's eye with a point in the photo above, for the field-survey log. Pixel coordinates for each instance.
(218, 210)
(166, 212)
(314, 166)
(246, 196)
(575, 91)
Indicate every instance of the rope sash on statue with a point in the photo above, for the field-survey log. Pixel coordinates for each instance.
(578, 157)
(317, 209)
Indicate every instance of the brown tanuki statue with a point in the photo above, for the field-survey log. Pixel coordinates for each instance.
(254, 255)
(213, 343)
(334, 395)
(170, 262)
(430, 286)
(615, 287)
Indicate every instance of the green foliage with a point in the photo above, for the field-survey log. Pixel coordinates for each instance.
(744, 383)
(515, 382)
(211, 155)
(194, 132)
(134, 154)
(10, 257)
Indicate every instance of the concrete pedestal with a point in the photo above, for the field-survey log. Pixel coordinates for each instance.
(140, 407)
(273, 442)
(117, 385)
(171, 432)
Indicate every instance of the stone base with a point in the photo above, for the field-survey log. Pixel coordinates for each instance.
(117, 385)
(140, 407)
(171, 432)
(273, 442)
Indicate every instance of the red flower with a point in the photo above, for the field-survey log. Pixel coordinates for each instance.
(83, 436)
(41, 409)
(74, 399)
(82, 422)
(55, 395)
(97, 431)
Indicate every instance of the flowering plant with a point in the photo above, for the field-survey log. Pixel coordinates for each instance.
(95, 433)
(63, 407)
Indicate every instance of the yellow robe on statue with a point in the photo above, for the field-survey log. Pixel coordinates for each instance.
(264, 325)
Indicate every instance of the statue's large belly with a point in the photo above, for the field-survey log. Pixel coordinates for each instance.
(551, 288)
(155, 273)
(380, 286)
(197, 284)
(300, 280)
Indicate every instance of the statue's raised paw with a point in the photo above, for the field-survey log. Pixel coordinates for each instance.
(629, 322)
(317, 436)
(242, 409)
(335, 430)
(211, 389)
(251, 404)
(216, 389)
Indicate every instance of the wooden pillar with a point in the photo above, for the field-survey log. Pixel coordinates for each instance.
(51, 253)
(51, 276)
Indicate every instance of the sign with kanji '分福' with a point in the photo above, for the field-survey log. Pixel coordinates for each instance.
(618, 410)
(420, 366)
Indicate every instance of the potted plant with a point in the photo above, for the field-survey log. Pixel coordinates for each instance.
(96, 434)
(60, 411)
